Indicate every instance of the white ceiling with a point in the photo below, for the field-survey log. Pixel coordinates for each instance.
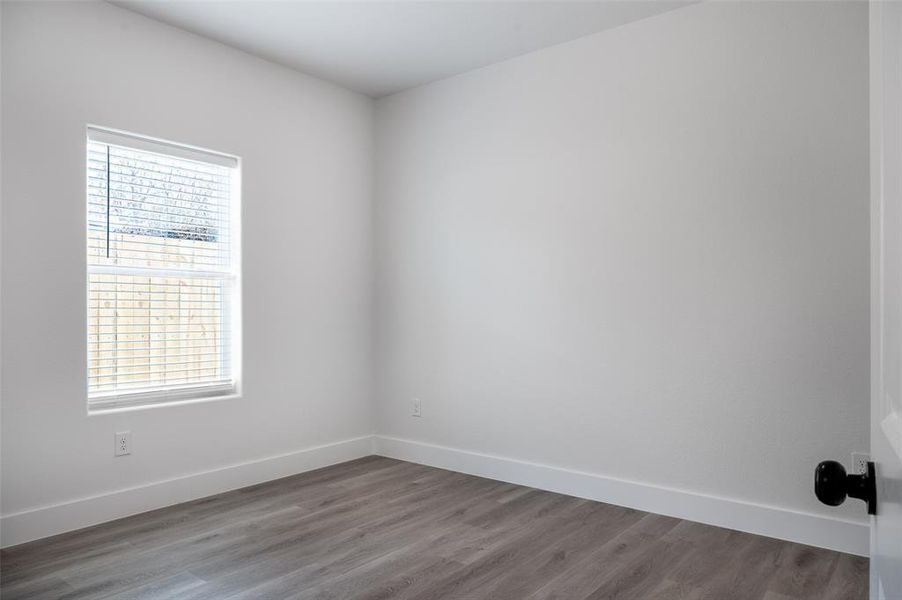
(380, 48)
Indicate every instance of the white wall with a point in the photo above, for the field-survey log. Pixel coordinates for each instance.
(306, 148)
(642, 254)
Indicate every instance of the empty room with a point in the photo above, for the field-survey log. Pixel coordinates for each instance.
(471, 300)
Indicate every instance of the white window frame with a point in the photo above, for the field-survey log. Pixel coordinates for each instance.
(105, 402)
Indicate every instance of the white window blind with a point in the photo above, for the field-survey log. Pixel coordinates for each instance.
(162, 271)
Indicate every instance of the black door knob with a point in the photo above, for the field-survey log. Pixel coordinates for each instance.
(832, 485)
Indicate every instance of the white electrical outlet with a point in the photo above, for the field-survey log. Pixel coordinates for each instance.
(860, 463)
(123, 443)
(417, 408)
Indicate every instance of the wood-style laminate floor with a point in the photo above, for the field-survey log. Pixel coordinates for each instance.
(378, 528)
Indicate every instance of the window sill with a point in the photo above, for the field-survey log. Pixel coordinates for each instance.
(158, 399)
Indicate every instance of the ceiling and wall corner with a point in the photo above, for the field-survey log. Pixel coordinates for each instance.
(380, 48)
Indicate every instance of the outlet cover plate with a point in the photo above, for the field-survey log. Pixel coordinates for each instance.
(123, 445)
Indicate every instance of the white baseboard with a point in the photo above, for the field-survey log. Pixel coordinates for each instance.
(805, 528)
(45, 521)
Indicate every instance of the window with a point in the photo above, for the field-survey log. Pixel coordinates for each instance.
(163, 277)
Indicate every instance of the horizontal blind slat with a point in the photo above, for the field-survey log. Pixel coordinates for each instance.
(98, 162)
(99, 242)
(143, 386)
(118, 183)
(155, 356)
(98, 200)
(121, 176)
